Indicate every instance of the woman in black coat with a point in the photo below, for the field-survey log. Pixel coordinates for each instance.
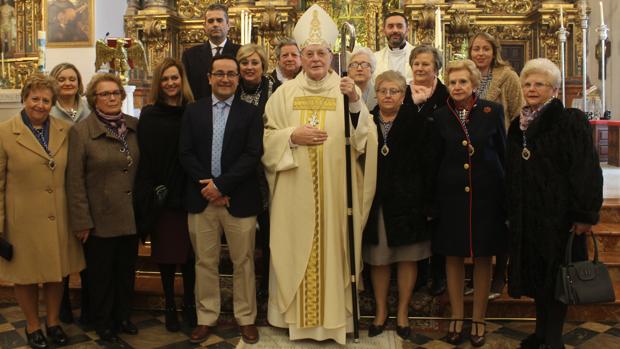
(255, 87)
(160, 184)
(396, 231)
(470, 217)
(426, 93)
(554, 187)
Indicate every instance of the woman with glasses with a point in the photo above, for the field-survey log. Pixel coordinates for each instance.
(470, 217)
(159, 199)
(554, 188)
(361, 67)
(396, 231)
(103, 159)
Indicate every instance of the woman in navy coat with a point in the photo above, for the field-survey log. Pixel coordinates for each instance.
(469, 216)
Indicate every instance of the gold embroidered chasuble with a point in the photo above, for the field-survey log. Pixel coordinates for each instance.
(309, 288)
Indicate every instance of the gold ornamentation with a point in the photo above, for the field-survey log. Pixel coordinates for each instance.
(504, 6)
(192, 36)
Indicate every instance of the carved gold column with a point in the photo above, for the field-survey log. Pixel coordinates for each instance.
(374, 18)
(133, 6)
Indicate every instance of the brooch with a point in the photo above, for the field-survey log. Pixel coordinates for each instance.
(487, 109)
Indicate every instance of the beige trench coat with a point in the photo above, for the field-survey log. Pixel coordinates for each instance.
(33, 205)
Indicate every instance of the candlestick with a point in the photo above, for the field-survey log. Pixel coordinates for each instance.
(41, 36)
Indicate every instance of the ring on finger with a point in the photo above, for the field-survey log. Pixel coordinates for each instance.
(314, 139)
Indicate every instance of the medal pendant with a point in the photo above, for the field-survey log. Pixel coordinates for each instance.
(471, 149)
(385, 150)
(129, 160)
(51, 164)
(525, 154)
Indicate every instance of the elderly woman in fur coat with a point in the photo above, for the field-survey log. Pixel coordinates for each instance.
(554, 187)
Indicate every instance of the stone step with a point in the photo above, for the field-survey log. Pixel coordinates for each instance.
(610, 212)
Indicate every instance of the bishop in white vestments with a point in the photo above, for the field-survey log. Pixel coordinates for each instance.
(304, 159)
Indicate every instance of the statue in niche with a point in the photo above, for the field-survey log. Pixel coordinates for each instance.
(8, 27)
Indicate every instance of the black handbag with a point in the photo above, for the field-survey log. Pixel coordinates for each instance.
(6, 249)
(585, 282)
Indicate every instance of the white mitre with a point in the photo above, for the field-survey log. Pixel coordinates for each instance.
(315, 27)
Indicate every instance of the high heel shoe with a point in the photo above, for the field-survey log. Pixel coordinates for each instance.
(375, 330)
(36, 339)
(57, 335)
(403, 332)
(476, 339)
(455, 337)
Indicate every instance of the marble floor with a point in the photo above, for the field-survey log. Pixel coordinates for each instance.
(428, 334)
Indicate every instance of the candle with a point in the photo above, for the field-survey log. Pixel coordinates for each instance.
(2, 64)
(600, 3)
(250, 28)
(561, 17)
(438, 35)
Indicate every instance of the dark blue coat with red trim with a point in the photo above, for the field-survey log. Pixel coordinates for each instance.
(469, 201)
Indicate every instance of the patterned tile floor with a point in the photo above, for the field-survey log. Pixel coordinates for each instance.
(428, 335)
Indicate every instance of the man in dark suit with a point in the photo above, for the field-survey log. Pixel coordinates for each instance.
(220, 149)
(197, 59)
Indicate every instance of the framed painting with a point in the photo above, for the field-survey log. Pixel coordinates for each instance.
(69, 23)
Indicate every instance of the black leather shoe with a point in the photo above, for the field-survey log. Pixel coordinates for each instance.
(403, 332)
(128, 327)
(108, 336)
(36, 339)
(57, 335)
(478, 338)
(530, 342)
(172, 321)
(375, 330)
(455, 337)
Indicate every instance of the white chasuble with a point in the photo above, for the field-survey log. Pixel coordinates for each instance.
(309, 286)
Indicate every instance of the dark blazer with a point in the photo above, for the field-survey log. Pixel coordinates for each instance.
(470, 190)
(404, 179)
(197, 62)
(560, 184)
(100, 179)
(241, 154)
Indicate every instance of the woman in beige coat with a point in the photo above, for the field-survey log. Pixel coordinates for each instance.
(33, 208)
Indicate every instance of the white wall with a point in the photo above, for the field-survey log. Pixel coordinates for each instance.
(108, 18)
(611, 9)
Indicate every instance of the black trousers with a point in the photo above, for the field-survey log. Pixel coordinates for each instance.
(111, 274)
(263, 235)
(550, 317)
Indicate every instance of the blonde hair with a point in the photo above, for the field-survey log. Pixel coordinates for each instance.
(156, 94)
(391, 76)
(40, 81)
(59, 68)
(497, 60)
(467, 65)
(91, 89)
(247, 50)
(545, 67)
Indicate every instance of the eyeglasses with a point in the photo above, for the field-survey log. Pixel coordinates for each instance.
(108, 94)
(388, 92)
(355, 65)
(221, 74)
(536, 85)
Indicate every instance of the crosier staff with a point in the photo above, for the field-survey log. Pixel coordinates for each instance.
(348, 30)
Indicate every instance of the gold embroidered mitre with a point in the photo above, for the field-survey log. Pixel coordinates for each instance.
(315, 27)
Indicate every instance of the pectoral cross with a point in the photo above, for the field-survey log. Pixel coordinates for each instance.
(314, 120)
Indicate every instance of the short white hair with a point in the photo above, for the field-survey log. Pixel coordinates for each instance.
(545, 67)
(360, 50)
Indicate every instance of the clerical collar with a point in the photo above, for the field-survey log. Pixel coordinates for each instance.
(400, 47)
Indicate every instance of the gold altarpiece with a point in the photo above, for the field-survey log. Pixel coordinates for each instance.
(526, 28)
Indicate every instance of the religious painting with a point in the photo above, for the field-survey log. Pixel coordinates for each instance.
(68, 23)
(8, 27)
